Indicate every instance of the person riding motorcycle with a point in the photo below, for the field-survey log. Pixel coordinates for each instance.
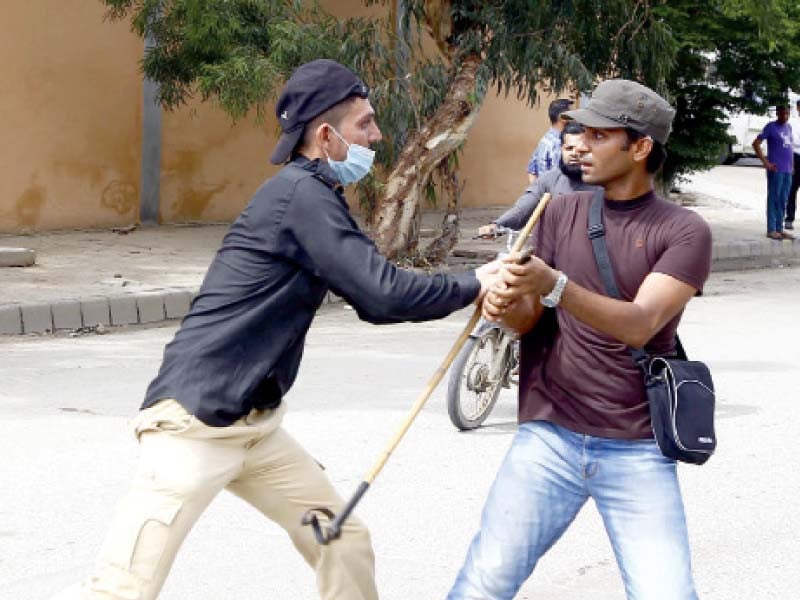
(564, 180)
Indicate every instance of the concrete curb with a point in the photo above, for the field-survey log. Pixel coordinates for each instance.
(753, 254)
(128, 309)
(728, 256)
(162, 305)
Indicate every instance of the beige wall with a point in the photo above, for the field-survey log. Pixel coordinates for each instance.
(495, 159)
(209, 166)
(71, 108)
(71, 118)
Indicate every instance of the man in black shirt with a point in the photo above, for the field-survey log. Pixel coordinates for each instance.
(211, 418)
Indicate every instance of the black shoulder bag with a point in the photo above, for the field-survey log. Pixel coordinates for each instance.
(679, 391)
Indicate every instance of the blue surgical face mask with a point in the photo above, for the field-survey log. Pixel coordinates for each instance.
(357, 164)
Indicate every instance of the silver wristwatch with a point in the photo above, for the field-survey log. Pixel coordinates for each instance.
(554, 297)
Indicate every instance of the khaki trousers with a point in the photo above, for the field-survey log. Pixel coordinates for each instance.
(182, 466)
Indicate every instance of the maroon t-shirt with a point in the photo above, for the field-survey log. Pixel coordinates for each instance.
(587, 381)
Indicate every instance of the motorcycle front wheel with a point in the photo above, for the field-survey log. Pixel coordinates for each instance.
(473, 388)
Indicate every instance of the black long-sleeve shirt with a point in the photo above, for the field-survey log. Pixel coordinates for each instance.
(241, 344)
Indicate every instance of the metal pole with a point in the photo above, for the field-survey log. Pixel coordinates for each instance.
(150, 196)
(401, 58)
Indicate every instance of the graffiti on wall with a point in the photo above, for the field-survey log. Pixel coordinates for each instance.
(29, 205)
(191, 203)
(120, 196)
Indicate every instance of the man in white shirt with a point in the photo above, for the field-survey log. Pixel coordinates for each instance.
(791, 204)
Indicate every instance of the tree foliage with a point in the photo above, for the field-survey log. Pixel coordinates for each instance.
(520, 47)
(534, 45)
(709, 58)
(238, 52)
(732, 55)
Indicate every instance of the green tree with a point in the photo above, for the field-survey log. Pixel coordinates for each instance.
(733, 55)
(238, 52)
(520, 47)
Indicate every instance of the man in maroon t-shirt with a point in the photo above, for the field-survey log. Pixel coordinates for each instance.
(584, 423)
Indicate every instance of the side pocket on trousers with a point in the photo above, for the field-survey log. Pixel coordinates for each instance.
(167, 416)
(143, 534)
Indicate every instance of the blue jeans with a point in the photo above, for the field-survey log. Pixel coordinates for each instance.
(545, 479)
(778, 185)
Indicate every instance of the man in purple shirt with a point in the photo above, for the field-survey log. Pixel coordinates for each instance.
(779, 163)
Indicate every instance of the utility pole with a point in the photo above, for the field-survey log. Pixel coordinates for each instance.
(150, 195)
(401, 55)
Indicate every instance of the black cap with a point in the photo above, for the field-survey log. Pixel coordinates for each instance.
(312, 89)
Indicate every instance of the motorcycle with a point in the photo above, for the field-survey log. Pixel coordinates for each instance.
(487, 363)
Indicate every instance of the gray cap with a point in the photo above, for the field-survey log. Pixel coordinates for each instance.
(617, 103)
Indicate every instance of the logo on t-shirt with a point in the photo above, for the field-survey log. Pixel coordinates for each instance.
(639, 243)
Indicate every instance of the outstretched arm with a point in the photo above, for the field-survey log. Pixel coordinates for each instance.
(327, 242)
(659, 298)
(516, 216)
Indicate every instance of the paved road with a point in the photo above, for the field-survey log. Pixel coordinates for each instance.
(66, 456)
(741, 187)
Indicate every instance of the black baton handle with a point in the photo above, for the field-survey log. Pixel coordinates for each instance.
(325, 534)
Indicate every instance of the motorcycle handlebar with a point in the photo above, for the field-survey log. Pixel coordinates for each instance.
(499, 231)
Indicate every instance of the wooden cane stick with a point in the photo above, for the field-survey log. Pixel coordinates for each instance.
(451, 356)
(326, 534)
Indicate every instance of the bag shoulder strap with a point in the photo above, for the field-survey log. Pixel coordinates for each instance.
(597, 236)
